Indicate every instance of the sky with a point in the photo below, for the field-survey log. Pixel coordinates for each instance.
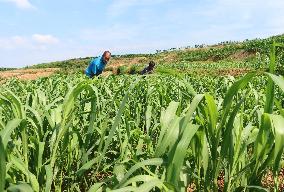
(39, 31)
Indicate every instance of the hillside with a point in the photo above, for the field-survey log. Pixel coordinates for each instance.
(234, 58)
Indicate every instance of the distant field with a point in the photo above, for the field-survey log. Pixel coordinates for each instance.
(6, 69)
(226, 58)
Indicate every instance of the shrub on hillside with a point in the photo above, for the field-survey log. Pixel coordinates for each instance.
(121, 70)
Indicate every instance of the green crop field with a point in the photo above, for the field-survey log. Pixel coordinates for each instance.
(169, 131)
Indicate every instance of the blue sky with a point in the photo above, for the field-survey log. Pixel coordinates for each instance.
(37, 31)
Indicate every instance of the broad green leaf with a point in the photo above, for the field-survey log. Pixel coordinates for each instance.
(19, 164)
(20, 188)
(96, 187)
(6, 133)
(119, 171)
(278, 124)
(15, 103)
(124, 189)
(48, 171)
(87, 166)
(155, 161)
(176, 157)
(150, 185)
(213, 113)
(169, 138)
(148, 117)
(2, 165)
(270, 88)
(257, 188)
(278, 80)
(166, 117)
(139, 178)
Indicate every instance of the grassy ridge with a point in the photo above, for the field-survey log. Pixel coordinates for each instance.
(6, 69)
(246, 54)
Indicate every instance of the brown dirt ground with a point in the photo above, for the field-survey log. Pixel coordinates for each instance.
(241, 55)
(221, 72)
(168, 58)
(117, 62)
(32, 74)
(233, 71)
(267, 181)
(28, 74)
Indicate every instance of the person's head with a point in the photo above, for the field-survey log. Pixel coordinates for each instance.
(106, 56)
(152, 64)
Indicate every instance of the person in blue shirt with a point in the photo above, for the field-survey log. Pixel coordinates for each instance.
(97, 65)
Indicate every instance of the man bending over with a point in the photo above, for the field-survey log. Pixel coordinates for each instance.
(97, 65)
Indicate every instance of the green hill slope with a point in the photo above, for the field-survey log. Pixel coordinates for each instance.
(249, 54)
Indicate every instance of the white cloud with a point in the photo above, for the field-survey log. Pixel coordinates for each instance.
(13, 42)
(34, 42)
(22, 4)
(4, 44)
(19, 40)
(45, 39)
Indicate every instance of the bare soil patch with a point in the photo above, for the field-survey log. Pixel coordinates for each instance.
(219, 72)
(233, 71)
(241, 55)
(117, 62)
(28, 74)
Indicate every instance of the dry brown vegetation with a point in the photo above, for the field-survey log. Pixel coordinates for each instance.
(28, 74)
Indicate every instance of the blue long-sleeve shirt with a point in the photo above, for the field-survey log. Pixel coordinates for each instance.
(96, 67)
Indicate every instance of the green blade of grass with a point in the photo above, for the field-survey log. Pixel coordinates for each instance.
(176, 158)
(155, 161)
(20, 188)
(96, 187)
(2, 165)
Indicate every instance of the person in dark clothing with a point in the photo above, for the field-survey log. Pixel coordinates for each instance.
(149, 69)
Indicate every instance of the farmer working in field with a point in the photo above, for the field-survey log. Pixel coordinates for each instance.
(97, 65)
(149, 69)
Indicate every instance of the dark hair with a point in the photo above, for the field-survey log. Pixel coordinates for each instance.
(152, 64)
(106, 52)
